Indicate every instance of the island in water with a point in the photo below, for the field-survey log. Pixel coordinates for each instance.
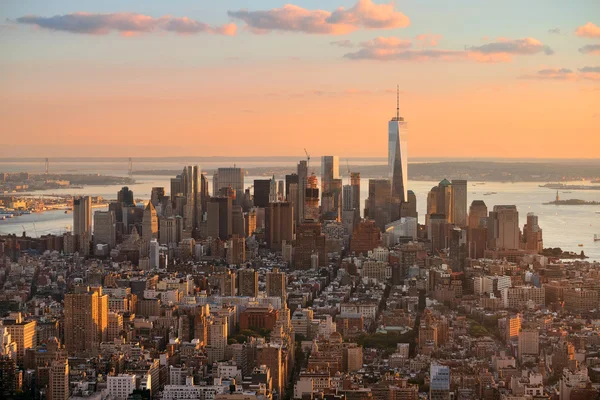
(572, 202)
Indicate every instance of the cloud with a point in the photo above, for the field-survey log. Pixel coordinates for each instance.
(588, 30)
(387, 49)
(392, 42)
(590, 49)
(552, 74)
(342, 43)
(406, 55)
(364, 14)
(555, 31)
(127, 24)
(585, 73)
(507, 47)
(427, 39)
(590, 69)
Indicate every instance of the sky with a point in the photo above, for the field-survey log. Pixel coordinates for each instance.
(244, 78)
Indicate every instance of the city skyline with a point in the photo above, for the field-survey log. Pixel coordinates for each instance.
(163, 74)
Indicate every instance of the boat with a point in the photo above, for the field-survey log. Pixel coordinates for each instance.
(580, 245)
(596, 238)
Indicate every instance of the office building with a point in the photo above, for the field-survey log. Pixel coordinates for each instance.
(478, 214)
(378, 204)
(236, 250)
(330, 170)
(331, 201)
(437, 232)
(105, 228)
(125, 197)
(459, 202)
(439, 387)
(59, 380)
(503, 228)
(23, 333)
(150, 223)
(528, 343)
(310, 241)
(458, 249)
(217, 339)
(273, 195)
(276, 284)
(231, 177)
(397, 156)
(219, 217)
(121, 386)
(262, 189)
(279, 224)
(302, 177)
(82, 216)
(171, 228)
(365, 237)
(290, 179)
(86, 320)
(311, 199)
(156, 195)
(408, 209)
(247, 282)
(532, 234)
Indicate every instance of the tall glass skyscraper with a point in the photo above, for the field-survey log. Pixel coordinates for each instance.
(397, 155)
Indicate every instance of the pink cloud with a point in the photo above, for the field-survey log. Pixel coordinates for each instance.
(387, 49)
(552, 74)
(588, 30)
(590, 49)
(127, 24)
(364, 14)
(391, 42)
(585, 73)
(428, 39)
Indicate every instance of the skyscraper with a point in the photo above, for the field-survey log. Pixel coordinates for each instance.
(459, 202)
(262, 188)
(279, 224)
(478, 213)
(532, 234)
(273, 197)
(355, 183)
(378, 205)
(231, 177)
(192, 193)
(276, 284)
(59, 380)
(105, 228)
(220, 217)
(302, 181)
(311, 199)
(247, 282)
(503, 228)
(157, 195)
(397, 155)
(439, 387)
(150, 223)
(82, 215)
(86, 320)
(330, 170)
(125, 196)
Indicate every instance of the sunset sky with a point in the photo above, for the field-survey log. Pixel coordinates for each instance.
(195, 77)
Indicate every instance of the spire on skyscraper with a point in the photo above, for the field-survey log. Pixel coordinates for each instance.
(398, 102)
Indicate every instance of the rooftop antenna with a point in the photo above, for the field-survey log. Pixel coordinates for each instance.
(398, 102)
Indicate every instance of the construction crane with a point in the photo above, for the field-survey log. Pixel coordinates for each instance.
(307, 159)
